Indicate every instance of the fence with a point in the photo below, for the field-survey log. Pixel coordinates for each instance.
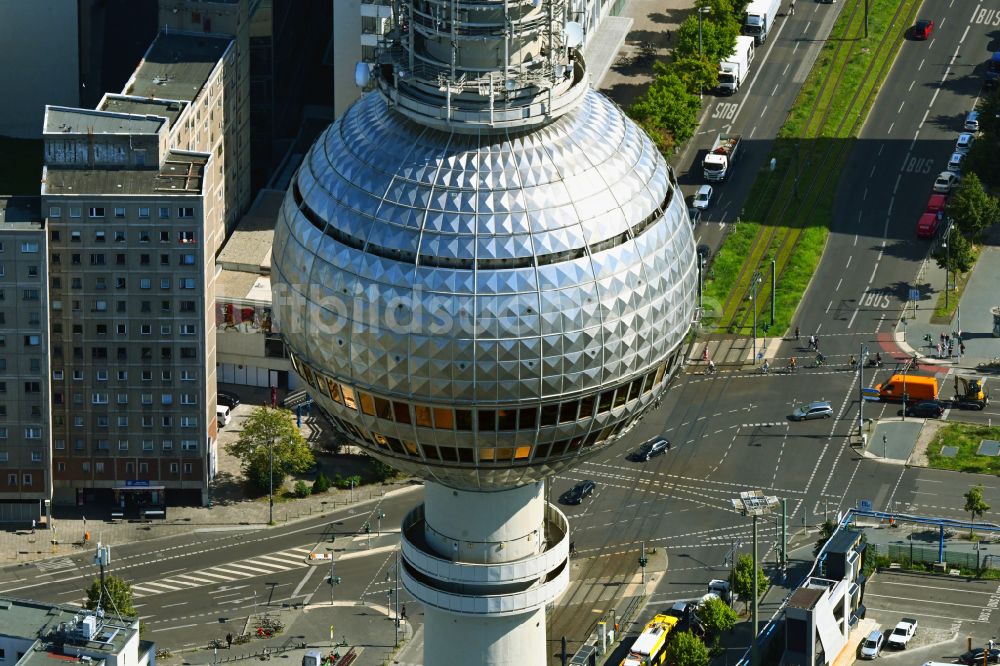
(907, 554)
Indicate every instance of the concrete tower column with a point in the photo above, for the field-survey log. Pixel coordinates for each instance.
(485, 565)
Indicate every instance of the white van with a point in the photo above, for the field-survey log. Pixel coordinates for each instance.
(223, 414)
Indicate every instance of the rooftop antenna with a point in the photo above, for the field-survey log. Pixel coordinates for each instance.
(102, 558)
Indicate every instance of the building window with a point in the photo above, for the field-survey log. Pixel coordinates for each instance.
(173, 468)
(164, 213)
(168, 445)
(147, 398)
(119, 236)
(189, 421)
(143, 236)
(145, 283)
(74, 211)
(144, 467)
(119, 211)
(29, 248)
(99, 468)
(32, 387)
(36, 456)
(167, 399)
(164, 236)
(97, 211)
(189, 445)
(187, 468)
(187, 260)
(61, 445)
(12, 479)
(97, 260)
(188, 329)
(147, 445)
(102, 375)
(31, 294)
(55, 211)
(185, 237)
(165, 283)
(3, 435)
(129, 467)
(99, 398)
(123, 400)
(185, 212)
(188, 376)
(32, 432)
(100, 237)
(144, 213)
(123, 445)
(32, 340)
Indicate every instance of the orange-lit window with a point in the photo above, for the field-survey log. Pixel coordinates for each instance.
(335, 391)
(321, 383)
(380, 439)
(349, 400)
(522, 452)
(487, 453)
(423, 415)
(367, 403)
(310, 378)
(443, 418)
(401, 412)
(505, 453)
(659, 373)
(411, 447)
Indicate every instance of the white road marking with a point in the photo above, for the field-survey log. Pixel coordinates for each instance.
(964, 34)
(924, 119)
(775, 87)
(934, 97)
(900, 106)
(829, 305)
(874, 270)
(889, 131)
(763, 111)
(785, 70)
(920, 66)
(849, 261)
(910, 89)
(851, 323)
(837, 288)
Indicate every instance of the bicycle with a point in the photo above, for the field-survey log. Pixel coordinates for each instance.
(216, 643)
(820, 359)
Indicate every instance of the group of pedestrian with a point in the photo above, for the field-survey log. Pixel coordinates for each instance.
(814, 342)
(947, 343)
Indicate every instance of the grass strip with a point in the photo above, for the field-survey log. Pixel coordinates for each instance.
(966, 436)
(790, 208)
(942, 314)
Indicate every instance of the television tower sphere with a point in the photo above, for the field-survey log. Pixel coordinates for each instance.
(484, 272)
(484, 310)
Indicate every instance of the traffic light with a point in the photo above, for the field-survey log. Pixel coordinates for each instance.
(333, 580)
(367, 528)
(643, 561)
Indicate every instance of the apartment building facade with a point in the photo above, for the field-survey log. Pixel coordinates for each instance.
(131, 281)
(25, 435)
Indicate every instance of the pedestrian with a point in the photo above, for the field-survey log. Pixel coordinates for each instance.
(402, 611)
(817, 343)
(32, 525)
(939, 350)
(668, 36)
(796, 332)
(961, 348)
(704, 354)
(812, 342)
(229, 640)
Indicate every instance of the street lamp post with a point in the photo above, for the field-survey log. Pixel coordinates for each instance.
(754, 286)
(947, 264)
(861, 389)
(755, 504)
(270, 483)
(885, 440)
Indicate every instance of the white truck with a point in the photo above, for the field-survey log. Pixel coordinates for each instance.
(733, 70)
(902, 634)
(718, 163)
(760, 19)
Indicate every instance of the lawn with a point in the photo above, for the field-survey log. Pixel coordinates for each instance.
(967, 438)
(20, 166)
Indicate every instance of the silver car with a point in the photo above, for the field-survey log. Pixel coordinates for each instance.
(813, 410)
(872, 646)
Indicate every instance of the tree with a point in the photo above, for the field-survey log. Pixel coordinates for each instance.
(117, 598)
(716, 616)
(972, 208)
(718, 39)
(825, 532)
(697, 73)
(743, 577)
(268, 428)
(686, 649)
(957, 256)
(321, 484)
(668, 106)
(975, 504)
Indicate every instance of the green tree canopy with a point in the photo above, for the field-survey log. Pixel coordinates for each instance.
(972, 208)
(698, 74)
(265, 426)
(716, 616)
(743, 577)
(117, 598)
(718, 39)
(974, 502)
(826, 531)
(667, 107)
(686, 649)
(955, 253)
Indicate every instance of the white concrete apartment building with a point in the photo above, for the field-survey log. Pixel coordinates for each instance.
(25, 436)
(131, 279)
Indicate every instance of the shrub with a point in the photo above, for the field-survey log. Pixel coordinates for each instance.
(301, 488)
(321, 484)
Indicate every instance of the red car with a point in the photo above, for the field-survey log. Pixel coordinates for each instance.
(923, 29)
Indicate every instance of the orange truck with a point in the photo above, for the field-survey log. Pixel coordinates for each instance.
(915, 387)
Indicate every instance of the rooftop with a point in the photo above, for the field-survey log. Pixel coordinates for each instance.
(177, 65)
(180, 173)
(843, 541)
(249, 247)
(20, 213)
(143, 106)
(243, 287)
(56, 630)
(81, 121)
(805, 597)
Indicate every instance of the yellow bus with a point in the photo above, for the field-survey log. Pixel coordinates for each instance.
(650, 648)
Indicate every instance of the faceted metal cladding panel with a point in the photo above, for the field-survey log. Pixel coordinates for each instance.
(499, 270)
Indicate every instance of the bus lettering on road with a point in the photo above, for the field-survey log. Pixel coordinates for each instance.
(918, 165)
(987, 17)
(984, 614)
(725, 110)
(877, 298)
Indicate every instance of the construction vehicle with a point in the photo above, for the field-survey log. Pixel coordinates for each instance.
(650, 647)
(718, 163)
(970, 393)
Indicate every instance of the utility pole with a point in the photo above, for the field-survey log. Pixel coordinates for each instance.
(755, 504)
(102, 559)
(774, 286)
(754, 654)
(861, 389)
(397, 598)
(270, 483)
(642, 560)
(754, 285)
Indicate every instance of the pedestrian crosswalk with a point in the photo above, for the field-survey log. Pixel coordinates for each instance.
(261, 565)
(55, 564)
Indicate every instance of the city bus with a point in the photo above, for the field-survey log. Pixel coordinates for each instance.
(650, 648)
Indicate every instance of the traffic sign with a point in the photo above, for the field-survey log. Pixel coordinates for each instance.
(914, 295)
(865, 505)
(870, 393)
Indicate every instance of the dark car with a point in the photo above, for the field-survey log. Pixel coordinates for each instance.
(705, 252)
(227, 399)
(694, 215)
(928, 409)
(922, 29)
(576, 494)
(653, 447)
(975, 656)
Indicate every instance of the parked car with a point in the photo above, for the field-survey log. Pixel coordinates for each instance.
(955, 163)
(975, 656)
(926, 409)
(703, 197)
(922, 29)
(576, 494)
(705, 252)
(964, 143)
(902, 633)
(694, 214)
(972, 121)
(813, 410)
(872, 645)
(928, 224)
(946, 180)
(227, 399)
(654, 447)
